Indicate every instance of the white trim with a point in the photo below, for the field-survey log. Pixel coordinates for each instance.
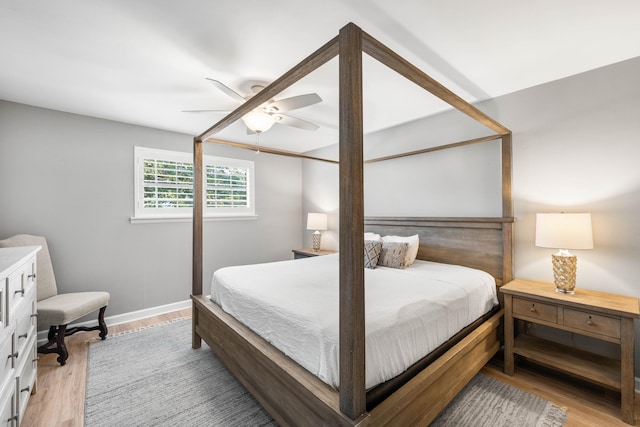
(127, 317)
(152, 220)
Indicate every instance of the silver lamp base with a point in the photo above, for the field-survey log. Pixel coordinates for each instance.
(316, 241)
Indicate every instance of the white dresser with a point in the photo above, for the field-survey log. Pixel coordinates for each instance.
(18, 332)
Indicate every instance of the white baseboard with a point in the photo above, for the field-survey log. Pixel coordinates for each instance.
(127, 317)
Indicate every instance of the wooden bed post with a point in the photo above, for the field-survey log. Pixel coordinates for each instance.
(352, 333)
(196, 283)
(507, 210)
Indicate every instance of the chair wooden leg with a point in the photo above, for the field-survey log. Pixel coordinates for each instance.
(103, 326)
(56, 336)
(57, 333)
(63, 354)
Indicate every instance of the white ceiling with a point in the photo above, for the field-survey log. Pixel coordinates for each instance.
(144, 61)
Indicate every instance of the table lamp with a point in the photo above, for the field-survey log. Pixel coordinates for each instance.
(317, 222)
(564, 231)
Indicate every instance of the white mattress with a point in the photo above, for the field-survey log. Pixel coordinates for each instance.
(294, 305)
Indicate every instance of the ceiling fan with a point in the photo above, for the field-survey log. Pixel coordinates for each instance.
(273, 111)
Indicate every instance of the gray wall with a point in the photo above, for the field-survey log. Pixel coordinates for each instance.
(70, 178)
(575, 149)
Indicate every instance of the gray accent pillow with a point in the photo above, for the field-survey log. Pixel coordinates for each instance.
(372, 249)
(393, 254)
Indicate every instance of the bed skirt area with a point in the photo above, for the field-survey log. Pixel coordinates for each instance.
(294, 396)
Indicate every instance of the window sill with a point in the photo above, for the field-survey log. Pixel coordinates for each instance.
(155, 219)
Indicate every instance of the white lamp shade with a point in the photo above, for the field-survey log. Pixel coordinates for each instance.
(258, 121)
(316, 221)
(564, 230)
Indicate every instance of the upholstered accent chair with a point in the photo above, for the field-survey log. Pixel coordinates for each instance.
(56, 311)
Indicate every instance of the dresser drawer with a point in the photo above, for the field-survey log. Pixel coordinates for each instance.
(535, 310)
(7, 363)
(27, 376)
(8, 416)
(25, 324)
(592, 323)
(20, 282)
(3, 305)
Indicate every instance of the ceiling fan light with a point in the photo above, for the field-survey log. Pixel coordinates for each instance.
(258, 121)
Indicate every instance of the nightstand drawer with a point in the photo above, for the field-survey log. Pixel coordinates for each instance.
(535, 310)
(592, 323)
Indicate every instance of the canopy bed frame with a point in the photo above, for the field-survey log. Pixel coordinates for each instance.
(292, 395)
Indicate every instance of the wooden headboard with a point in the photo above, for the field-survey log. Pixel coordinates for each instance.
(482, 243)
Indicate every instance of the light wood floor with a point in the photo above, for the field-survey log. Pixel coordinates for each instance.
(59, 400)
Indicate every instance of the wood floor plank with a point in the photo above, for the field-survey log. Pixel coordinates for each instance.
(59, 401)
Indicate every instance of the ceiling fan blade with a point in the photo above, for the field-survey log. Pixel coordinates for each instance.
(295, 102)
(206, 111)
(226, 89)
(296, 123)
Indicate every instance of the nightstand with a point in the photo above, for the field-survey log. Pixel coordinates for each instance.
(308, 252)
(607, 317)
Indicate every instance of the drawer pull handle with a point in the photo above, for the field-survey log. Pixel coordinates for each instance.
(589, 321)
(533, 308)
(31, 276)
(37, 359)
(34, 315)
(14, 355)
(25, 335)
(27, 388)
(19, 291)
(14, 418)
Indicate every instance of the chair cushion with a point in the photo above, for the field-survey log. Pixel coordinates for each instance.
(65, 308)
(45, 278)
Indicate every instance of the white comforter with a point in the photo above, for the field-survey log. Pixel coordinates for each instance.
(294, 305)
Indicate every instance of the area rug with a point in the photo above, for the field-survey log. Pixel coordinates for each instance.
(487, 402)
(152, 377)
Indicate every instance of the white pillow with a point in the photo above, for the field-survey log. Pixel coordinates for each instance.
(371, 236)
(412, 252)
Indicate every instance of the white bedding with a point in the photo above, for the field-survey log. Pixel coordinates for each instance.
(410, 312)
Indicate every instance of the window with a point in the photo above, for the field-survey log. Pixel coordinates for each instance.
(164, 185)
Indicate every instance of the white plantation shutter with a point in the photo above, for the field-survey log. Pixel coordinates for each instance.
(164, 185)
(167, 183)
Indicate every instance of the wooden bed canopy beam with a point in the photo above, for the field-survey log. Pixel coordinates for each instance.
(268, 150)
(252, 147)
(388, 57)
(438, 148)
